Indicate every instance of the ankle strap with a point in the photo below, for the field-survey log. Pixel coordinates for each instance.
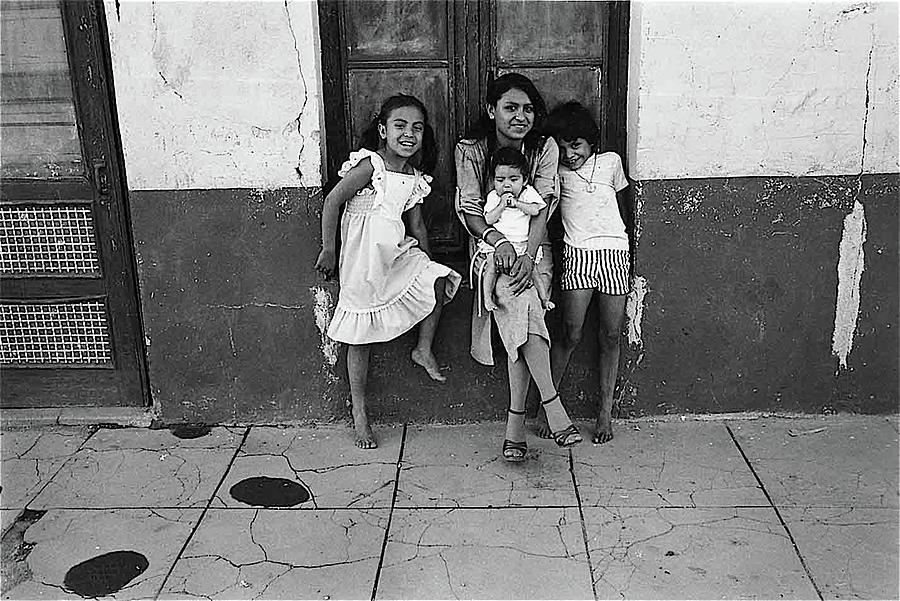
(514, 412)
(551, 399)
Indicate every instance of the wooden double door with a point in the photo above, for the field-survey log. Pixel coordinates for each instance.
(445, 52)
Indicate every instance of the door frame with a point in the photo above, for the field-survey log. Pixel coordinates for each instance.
(473, 68)
(90, 68)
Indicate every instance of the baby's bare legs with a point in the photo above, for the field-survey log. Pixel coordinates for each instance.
(488, 282)
(422, 354)
(542, 291)
(358, 372)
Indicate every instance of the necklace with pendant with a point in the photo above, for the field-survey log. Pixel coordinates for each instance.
(591, 188)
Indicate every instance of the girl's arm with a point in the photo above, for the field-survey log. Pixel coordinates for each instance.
(415, 225)
(357, 178)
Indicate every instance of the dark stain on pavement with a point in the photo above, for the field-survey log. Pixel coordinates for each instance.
(263, 491)
(105, 574)
(187, 431)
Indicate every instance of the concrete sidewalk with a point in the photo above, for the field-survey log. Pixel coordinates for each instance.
(763, 508)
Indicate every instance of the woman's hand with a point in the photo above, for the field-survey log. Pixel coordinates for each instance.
(521, 274)
(504, 257)
(325, 263)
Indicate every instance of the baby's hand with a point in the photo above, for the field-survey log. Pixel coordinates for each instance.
(325, 262)
(508, 199)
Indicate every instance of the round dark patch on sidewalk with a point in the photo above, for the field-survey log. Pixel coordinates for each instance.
(264, 491)
(105, 574)
(190, 431)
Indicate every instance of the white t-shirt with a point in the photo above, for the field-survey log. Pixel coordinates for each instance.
(588, 206)
(513, 222)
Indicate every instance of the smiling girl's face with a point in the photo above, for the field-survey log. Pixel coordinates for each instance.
(513, 117)
(403, 132)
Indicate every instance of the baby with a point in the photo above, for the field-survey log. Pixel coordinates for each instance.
(509, 209)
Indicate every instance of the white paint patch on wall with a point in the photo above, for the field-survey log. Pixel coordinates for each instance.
(851, 264)
(745, 89)
(217, 94)
(323, 304)
(634, 310)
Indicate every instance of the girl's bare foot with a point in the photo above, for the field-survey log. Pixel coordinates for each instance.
(426, 360)
(603, 431)
(365, 438)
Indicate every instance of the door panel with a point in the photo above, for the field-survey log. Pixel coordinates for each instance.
(380, 29)
(371, 49)
(529, 30)
(403, 47)
(69, 325)
(368, 88)
(40, 136)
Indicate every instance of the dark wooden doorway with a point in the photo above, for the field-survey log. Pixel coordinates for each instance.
(70, 329)
(445, 52)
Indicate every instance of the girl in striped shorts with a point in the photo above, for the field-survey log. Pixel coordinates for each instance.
(595, 257)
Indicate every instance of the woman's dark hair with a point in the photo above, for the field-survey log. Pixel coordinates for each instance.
(509, 157)
(426, 158)
(572, 120)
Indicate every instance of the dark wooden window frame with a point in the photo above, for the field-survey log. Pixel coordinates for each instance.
(90, 66)
(474, 21)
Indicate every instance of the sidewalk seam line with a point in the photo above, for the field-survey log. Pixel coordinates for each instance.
(777, 512)
(584, 535)
(387, 528)
(202, 514)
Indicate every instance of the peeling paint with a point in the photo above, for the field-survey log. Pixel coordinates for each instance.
(324, 308)
(850, 267)
(634, 310)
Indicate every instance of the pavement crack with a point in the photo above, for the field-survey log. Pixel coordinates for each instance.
(447, 572)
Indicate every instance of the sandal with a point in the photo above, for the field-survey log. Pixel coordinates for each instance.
(568, 437)
(513, 451)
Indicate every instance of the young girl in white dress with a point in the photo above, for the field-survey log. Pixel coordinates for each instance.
(388, 282)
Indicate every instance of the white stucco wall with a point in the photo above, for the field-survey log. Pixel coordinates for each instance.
(746, 89)
(217, 94)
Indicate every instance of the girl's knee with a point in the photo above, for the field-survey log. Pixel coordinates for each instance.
(572, 335)
(609, 338)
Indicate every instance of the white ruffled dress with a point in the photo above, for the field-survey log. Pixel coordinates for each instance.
(387, 281)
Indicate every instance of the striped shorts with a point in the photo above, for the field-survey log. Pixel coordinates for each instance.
(602, 269)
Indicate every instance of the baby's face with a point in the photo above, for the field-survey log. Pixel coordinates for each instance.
(508, 179)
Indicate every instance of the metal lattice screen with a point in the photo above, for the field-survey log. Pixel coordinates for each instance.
(54, 334)
(52, 240)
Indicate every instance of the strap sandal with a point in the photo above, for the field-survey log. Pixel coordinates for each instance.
(568, 437)
(514, 452)
(551, 399)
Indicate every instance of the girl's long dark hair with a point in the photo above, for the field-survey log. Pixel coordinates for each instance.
(426, 158)
(485, 126)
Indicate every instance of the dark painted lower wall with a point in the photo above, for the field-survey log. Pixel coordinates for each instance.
(739, 314)
(743, 285)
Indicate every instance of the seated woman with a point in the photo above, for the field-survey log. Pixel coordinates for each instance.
(513, 111)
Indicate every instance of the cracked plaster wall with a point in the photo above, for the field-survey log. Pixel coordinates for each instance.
(753, 89)
(217, 94)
